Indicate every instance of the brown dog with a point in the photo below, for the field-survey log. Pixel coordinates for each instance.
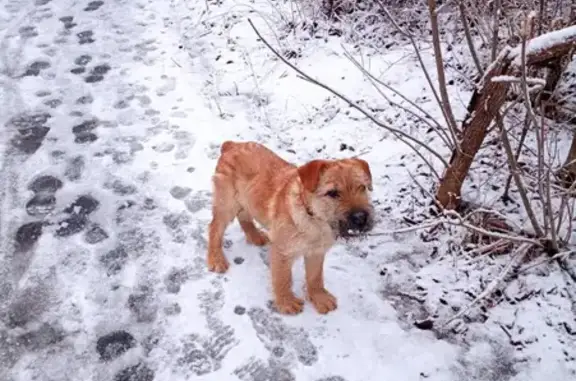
(303, 208)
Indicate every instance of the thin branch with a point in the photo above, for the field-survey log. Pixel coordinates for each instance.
(528, 26)
(493, 212)
(490, 248)
(495, 28)
(430, 120)
(440, 67)
(462, 222)
(424, 71)
(541, 16)
(549, 209)
(517, 156)
(469, 39)
(516, 258)
(346, 99)
(425, 191)
(564, 265)
(517, 178)
(566, 204)
(459, 221)
(407, 230)
(561, 255)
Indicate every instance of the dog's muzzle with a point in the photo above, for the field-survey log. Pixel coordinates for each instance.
(357, 222)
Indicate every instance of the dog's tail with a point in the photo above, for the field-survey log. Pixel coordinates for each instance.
(226, 146)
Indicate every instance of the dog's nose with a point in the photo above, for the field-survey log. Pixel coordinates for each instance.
(358, 219)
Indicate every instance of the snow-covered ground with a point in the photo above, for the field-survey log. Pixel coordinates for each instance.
(112, 114)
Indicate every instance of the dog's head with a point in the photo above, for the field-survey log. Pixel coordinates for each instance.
(337, 191)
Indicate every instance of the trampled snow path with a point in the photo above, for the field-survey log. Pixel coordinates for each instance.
(112, 115)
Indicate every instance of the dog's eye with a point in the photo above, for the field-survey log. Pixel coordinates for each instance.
(362, 188)
(333, 193)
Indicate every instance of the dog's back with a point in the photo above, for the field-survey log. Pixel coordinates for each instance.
(251, 172)
(246, 160)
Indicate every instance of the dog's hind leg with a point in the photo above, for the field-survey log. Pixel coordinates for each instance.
(253, 234)
(224, 209)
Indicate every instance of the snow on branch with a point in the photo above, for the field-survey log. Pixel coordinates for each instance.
(513, 79)
(535, 84)
(546, 46)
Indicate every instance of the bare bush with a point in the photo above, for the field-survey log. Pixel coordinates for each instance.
(519, 53)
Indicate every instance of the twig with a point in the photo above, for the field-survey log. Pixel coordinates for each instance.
(461, 222)
(372, 80)
(257, 86)
(517, 156)
(517, 179)
(175, 62)
(440, 67)
(441, 7)
(488, 233)
(346, 99)
(430, 121)
(566, 204)
(516, 258)
(548, 217)
(424, 190)
(469, 40)
(560, 255)
(494, 213)
(500, 244)
(424, 70)
(495, 28)
(407, 230)
(548, 203)
(564, 265)
(541, 16)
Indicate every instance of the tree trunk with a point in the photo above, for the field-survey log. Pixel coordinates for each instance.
(487, 100)
(484, 104)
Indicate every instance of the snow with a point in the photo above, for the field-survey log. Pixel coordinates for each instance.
(138, 96)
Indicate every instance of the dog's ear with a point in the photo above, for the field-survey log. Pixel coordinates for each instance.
(366, 168)
(310, 173)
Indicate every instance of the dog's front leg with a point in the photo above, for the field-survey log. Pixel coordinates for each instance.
(322, 300)
(281, 270)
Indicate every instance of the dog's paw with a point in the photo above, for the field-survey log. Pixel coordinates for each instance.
(217, 263)
(323, 301)
(289, 305)
(258, 238)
